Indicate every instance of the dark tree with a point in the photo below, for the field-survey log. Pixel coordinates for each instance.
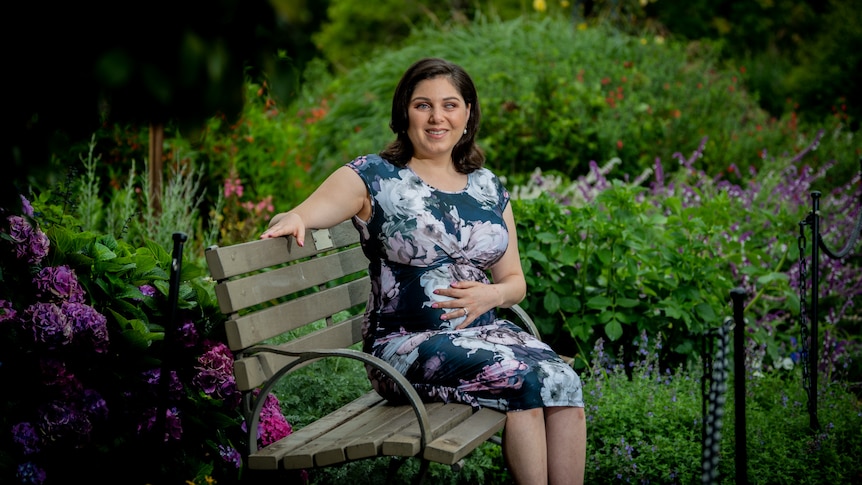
(72, 66)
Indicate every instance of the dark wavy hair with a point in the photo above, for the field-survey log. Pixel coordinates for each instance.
(466, 155)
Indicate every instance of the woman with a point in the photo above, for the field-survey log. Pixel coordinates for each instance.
(433, 222)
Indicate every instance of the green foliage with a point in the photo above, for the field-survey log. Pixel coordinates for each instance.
(577, 95)
(353, 33)
(781, 446)
(109, 362)
(608, 259)
(616, 267)
(804, 50)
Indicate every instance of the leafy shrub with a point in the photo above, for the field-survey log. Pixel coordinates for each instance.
(608, 258)
(556, 97)
(105, 377)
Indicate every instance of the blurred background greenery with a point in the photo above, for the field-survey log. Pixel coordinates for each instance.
(73, 69)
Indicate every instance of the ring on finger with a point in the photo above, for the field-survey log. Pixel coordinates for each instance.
(465, 312)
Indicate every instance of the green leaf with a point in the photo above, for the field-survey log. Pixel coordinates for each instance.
(100, 252)
(614, 330)
(770, 277)
(599, 302)
(570, 304)
(705, 312)
(551, 302)
(136, 339)
(627, 302)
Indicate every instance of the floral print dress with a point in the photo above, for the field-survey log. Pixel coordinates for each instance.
(418, 239)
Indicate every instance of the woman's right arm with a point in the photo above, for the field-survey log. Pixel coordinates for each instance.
(341, 196)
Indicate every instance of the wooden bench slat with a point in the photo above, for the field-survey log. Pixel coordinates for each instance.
(268, 458)
(407, 442)
(247, 330)
(238, 294)
(252, 371)
(335, 451)
(305, 456)
(229, 261)
(371, 444)
(462, 439)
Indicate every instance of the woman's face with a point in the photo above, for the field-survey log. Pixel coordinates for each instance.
(437, 116)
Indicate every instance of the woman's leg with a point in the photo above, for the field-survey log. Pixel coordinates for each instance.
(524, 446)
(566, 430)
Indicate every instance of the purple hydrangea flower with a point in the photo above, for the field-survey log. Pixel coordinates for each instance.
(173, 424)
(30, 474)
(94, 405)
(26, 436)
(188, 334)
(59, 283)
(61, 422)
(55, 375)
(148, 290)
(48, 324)
(89, 327)
(215, 374)
(273, 425)
(31, 244)
(153, 379)
(7, 313)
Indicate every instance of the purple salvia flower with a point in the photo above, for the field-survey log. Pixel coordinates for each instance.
(26, 208)
(230, 455)
(658, 185)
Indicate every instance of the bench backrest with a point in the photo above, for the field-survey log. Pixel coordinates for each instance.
(275, 292)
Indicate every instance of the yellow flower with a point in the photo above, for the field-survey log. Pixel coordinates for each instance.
(540, 5)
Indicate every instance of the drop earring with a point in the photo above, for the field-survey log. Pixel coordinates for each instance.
(465, 131)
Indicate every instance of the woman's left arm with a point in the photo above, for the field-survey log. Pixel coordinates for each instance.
(507, 273)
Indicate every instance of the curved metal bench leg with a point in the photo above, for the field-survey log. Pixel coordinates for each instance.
(423, 471)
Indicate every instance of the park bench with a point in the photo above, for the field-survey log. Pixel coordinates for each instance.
(273, 289)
